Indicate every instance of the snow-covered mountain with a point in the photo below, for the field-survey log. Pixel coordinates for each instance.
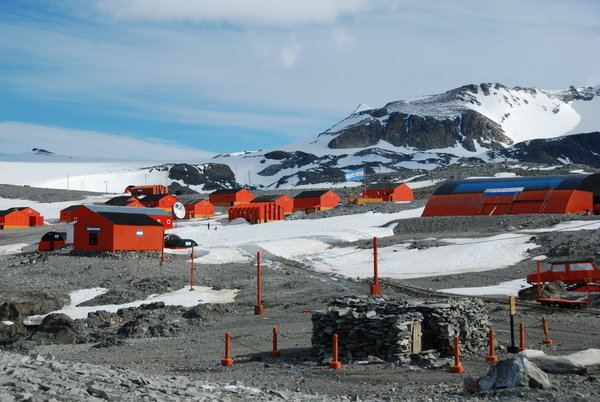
(486, 121)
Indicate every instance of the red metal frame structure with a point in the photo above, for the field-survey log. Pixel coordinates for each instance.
(517, 195)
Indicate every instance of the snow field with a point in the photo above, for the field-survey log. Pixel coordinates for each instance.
(49, 210)
(508, 288)
(182, 297)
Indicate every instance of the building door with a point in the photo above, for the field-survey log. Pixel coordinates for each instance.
(93, 239)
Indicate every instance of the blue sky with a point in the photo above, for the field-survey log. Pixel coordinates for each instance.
(232, 75)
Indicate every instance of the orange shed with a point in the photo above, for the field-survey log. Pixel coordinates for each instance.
(259, 212)
(316, 200)
(199, 209)
(229, 197)
(282, 200)
(12, 218)
(389, 192)
(35, 218)
(162, 201)
(109, 231)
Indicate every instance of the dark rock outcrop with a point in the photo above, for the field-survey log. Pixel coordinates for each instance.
(213, 176)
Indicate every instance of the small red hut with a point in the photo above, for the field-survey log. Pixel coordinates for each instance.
(316, 200)
(35, 218)
(229, 197)
(124, 201)
(52, 241)
(201, 208)
(12, 218)
(393, 192)
(162, 201)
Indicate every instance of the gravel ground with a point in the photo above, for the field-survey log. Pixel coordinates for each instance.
(42, 194)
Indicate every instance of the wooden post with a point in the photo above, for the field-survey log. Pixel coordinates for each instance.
(457, 367)
(227, 360)
(522, 345)
(275, 352)
(335, 362)
(259, 309)
(375, 290)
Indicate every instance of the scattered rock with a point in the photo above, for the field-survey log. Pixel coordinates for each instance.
(514, 372)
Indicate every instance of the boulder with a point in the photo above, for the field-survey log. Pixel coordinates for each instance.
(514, 372)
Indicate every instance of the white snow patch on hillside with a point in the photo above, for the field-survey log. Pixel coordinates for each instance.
(569, 226)
(400, 262)
(508, 288)
(12, 248)
(182, 297)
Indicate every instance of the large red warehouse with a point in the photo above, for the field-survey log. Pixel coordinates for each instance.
(12, 218)
(201, 208)
(35, 218)
(517, 195)
(229, 197)
(282, 200)
(259, 212)
(109, 231)
(162, 217)
(393, 192)
(316, 200)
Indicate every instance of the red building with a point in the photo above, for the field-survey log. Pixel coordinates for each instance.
(162, 217)
(35, 218)
(68, 214)
(316, 200)
(52, 241)
(229, 197)
(12, 218)
(283, 201)
(109, 231)
(162, 201)
(389, 192)
(124, 201)
(259, 212)
(517, 195)
(199, 209)
(137, 191)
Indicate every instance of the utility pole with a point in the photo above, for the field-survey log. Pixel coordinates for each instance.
(248, 177)
(106, 186)
(67, 182)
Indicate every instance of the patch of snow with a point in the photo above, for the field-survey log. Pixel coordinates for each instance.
(12, 248)
(569, 226)
(182, 297)
(9, 323)
(509, 288)
(49, 210)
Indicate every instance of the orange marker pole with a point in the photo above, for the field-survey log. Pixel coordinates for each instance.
(458, 367)
(547, 340)
(538, 269)
(259, 309)
(522, 345)
(335, 362)
(491, 357)
(192, 271)
(227, 360)
(275, 351)
(375, 290)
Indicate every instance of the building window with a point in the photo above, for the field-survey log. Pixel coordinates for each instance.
(93, 239)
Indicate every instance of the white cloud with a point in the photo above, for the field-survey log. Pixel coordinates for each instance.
(245, 12)
(17, 137)
(288, 55)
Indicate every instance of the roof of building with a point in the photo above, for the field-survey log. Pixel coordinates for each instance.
(127, 210)
(8, 211)
(383, 186)
(228, 190)
(119, 200)
(311, 193)
(268, 198)
(585, 182)
(129, 219)
(71, 207)
(154, 197)
(192, 202)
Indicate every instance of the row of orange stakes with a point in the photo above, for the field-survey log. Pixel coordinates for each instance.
(457, 367)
